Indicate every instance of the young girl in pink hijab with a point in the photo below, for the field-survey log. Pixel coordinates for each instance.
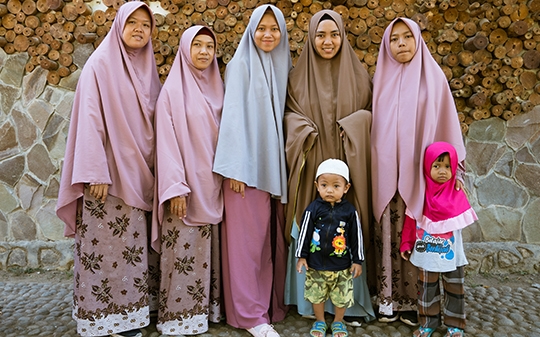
(434, 243)
(107, 181)
(412, 108)
(189, 202)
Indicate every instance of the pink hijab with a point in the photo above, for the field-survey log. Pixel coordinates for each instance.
(412, 108)
(188, 114)
(445, 208)
(111, 134)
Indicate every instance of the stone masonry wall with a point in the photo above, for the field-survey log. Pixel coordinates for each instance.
(503, 180)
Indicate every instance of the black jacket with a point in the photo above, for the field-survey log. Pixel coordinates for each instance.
(321, 225)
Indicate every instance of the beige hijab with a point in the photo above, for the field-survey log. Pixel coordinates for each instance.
(324, 98)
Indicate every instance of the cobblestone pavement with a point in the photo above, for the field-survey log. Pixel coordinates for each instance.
(44, 309)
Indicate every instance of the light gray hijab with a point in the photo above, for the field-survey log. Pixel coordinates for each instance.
(250, 145)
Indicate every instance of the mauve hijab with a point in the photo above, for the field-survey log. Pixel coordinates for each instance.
(251, 144)
(111, 133)
(412, 108)
(326, 96)
(187, 122)
(445, 208)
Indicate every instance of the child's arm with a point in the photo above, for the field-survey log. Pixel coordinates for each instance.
(356, 240)
(301, 263)
(356, 270)
(408, 237)
(306, 234)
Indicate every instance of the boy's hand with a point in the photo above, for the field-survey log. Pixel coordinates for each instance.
(356, 270)
(405, 255)
(301, 263)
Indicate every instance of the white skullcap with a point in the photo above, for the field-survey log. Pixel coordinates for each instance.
(334, 166)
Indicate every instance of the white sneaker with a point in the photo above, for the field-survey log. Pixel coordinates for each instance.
(263, 330)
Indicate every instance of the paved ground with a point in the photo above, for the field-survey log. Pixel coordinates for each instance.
(41, 306)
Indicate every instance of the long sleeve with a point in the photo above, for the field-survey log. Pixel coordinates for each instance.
(356, 244)
(306, 230)
(408, 235)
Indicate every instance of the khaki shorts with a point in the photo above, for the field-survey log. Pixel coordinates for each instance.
(336, 285)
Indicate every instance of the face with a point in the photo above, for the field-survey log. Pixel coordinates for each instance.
(331, 187)
(202, 51)
(441, 171)
(327, 39)
(137, 29)
(402, 43)
(267, 35)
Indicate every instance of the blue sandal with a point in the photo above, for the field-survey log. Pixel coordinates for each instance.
(423, 332)
(454, 332)
(319, 327)
(339, 328)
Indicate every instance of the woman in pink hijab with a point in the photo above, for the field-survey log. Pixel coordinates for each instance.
(189, 203)
(107, 182)
(412, 108)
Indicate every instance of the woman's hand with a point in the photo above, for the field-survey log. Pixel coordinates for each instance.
(459, 185)
(99, 191)
(237, 186)
(178, 206)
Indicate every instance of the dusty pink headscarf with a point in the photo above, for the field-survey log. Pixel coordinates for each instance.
(188, 113)
(412, 108)
(445, 208)
(111, 134)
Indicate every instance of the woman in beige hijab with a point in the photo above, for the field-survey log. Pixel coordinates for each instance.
(327, 116)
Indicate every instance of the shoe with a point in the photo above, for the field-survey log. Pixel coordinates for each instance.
(409, 318)
(339, 328)
(318, 328)
(130, 333)
(263, 330)
(309, 316)
(423, 332)
(389, 318)
(454, 332)
(352, 321)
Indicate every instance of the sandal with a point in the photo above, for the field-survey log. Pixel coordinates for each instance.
(338, 328)
(454, 332)
(318, 329)
(423, 332)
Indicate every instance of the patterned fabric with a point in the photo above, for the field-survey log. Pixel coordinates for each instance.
(396, 278)
(429, 299)
(336, 285)
(190, 274)
(111, 288)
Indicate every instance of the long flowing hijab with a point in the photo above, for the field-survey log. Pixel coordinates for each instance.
(412, 108)
(188, 113)
(326, 96)
(111, 133)
(251, 143)
(445, 208)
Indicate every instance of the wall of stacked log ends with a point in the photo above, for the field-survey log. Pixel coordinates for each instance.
(488, 49)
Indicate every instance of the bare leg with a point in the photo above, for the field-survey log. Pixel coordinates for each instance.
(319, 311)
(340, 312)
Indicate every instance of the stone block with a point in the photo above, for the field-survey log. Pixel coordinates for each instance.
(500, 224)
(529, 176)
(523, 128)
(33, 85)
(531, 222)
(51, 191)
(71, 81)
(525, 156)
(472, 233)
(26, 129)
(17, 258)
(4, 230)
(26, 188)
(8, 202)
(51, 130)
(14, 68)
(49, 258)
(63, 108)
(8, 98)
(494, 190)
(3, 57)
(51, 226)
(39, 162)
(505, 165)
(52, 95)
(11, 170)
(488, 130)
(507, 259)
(81, 53)
(535, 150)
(40, 111)
(22, 227)
(482, 157)
(8, 141)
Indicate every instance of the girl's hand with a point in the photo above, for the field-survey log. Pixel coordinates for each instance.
(405, 255)
(99, 191)
(178, 206)
(459, 184)
(238, 186)
(356, 270)
(301, 263)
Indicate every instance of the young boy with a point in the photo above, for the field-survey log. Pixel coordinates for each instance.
(330, 247)
(434, 243)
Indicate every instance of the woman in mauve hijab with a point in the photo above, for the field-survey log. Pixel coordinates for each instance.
(106, 189)
(327, 116)
(412, 108)
(250, 156)
(189, 203)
